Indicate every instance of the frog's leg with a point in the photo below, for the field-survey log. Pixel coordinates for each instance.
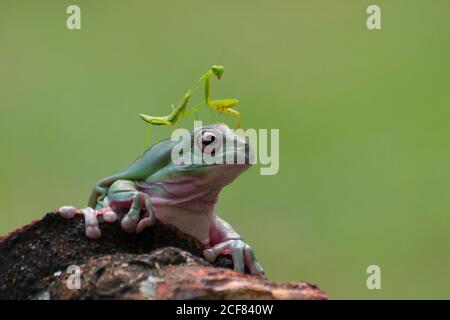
(100, 191)
(224, 240)
(132, 222)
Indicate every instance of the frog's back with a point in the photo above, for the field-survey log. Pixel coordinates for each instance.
(154, 158)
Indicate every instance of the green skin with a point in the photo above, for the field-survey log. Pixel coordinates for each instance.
(179, 194)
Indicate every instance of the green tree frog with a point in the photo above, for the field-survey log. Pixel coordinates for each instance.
(180, 193)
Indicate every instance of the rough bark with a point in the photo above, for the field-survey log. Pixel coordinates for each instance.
(159, 263)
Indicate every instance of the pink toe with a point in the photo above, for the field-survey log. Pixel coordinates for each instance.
(128, 225)
(67, 212)
(144, 223)
(93, 232)
(110, 216)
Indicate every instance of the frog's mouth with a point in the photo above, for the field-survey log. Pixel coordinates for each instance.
(242, 156)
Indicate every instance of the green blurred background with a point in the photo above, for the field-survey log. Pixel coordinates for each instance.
(363, 116)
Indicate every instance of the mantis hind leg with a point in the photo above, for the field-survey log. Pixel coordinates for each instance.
(196, 109)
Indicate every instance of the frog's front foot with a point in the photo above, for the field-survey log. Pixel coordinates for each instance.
(92, 229)
(140, 215)
(241, 253)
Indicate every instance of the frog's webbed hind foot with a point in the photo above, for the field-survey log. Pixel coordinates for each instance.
(92, 229)
(241, 253)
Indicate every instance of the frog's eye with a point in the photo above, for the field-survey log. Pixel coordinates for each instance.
(208, 138)
(208, 141)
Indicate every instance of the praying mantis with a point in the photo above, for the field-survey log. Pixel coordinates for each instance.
(222, 106)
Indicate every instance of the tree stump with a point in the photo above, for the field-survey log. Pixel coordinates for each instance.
(159, 263)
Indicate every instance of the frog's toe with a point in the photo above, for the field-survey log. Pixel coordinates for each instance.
(144, 223)
(91, 223)
(110, 216)
(93, 232)
(90, 219)
(259, 269)
(129, 224)
(250, 261)
(241, 253)
(67, 212)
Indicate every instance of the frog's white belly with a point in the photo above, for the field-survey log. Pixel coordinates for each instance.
(186, 203)
(195, 224)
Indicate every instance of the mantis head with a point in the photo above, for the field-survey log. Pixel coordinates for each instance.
(218, 71)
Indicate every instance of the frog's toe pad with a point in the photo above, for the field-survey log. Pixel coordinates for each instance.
(209, 255)
(128, 224)
(67, 212)
(110, 216)
(91, 223)
(93, 232)
(144, 223)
